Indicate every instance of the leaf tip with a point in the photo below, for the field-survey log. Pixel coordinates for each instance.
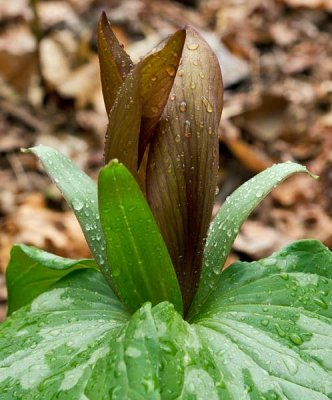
(114, 161)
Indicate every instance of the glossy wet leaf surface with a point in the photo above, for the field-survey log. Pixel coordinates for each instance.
(140, 102)
(265, 333)
(80, 192)
(229, 219)
(183, 160)
(32, 271)
(140, 264)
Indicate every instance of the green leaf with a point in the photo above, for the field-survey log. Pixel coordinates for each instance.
(228, 221)
(80, 192)
(140, 265)
(115, 63)
(268, 325)
(183, 160)
(265, 333)
(140, 102)
(31, 271)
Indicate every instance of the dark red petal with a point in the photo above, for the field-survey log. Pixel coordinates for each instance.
(183, 160)
(114, 62)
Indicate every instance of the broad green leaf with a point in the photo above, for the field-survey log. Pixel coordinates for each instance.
(228, 221)
(268, 326)
(140, 264)
(80, 192)
(183, 160)
(115, 63)
(140, 102)
(31, 271)
(265, 333)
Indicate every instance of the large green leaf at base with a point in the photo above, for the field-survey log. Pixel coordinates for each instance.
(265, 333)
(32, 271)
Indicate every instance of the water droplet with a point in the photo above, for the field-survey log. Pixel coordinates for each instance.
(321, 303)
(201, 74)
(177, 138)
(192, 46)
(259, 194)
(207, 104)
(154, 78)
(265, 322)
(291, 365)
(279, 330)
(183, 106)
(187, 131)
(77, 204)
(284, 276)
(193, 85)
(170, 69)
(180, 72)
(210, 131)
(296, 339)
(133, 352)
(217, 190)
(154, 109)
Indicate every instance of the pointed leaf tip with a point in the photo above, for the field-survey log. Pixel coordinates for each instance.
(114, 62)
(229, 219)
(140, 102)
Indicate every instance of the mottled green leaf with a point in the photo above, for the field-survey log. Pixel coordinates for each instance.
(114, 62)
(265, 333)
(140, 102)
(80, 192)
(31, 271)
(140, 264)
(228, 222)
(183, 160)
(268, 326)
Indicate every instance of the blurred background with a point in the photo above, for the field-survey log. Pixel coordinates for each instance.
(276, 58)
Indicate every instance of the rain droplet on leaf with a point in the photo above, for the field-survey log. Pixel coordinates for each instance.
(187, 131)
(170, 69)
(77, 204)
(207, 104)
(192, 46)
(183, 106)
(295, 338)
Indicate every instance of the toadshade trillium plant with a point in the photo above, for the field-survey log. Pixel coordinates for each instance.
(154, 315)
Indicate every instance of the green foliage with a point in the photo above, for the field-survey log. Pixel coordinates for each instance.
(113, 327)
(265, 332)
(141, 267)
(32, 271)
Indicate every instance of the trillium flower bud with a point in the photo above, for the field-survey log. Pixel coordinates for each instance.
(163, 121)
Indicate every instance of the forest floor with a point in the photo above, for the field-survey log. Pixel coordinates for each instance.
(276, 58)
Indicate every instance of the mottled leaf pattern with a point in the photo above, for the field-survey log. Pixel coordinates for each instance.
(31, 271)
(183, 160)
(265, 333)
